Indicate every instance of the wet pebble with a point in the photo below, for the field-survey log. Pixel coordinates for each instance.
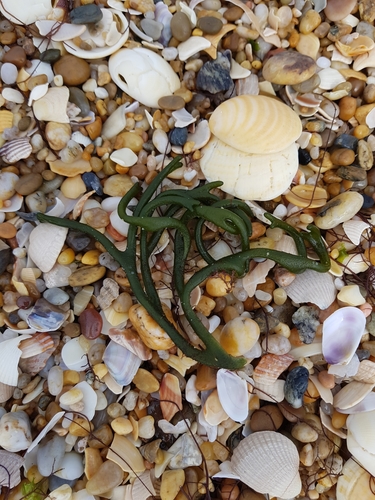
(172, 102)
(180, 26)
(28, 184)
(74, 70)
(77, 241)
(210, 24)
(152, 28)
(214, 75)
(108, 476)
(352, 173)
(288, 68)
(339, 209)
(306, 320)
(368, 201)
(267, 418)
(92, 182)
(365, 155)
(296, 385)
(346, 141)
(56, 296)
(86, 275)
(178, 136)
(91, 323)
(86, 14)
(78, 97)
(50, 55)
(15, 55)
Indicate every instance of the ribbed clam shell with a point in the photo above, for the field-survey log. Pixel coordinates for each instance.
(366, 372)
(16, 150)
(367, 404)
(310, 286)
(46, 242)
(170, 396)
(38, 343)
(354, 482)
(351, 394)
(354, 230)
(268, 462)
(6, 119)
(6, 392)
(270, 392)
(270, 367)
(10, 471)
(255, 124)
(131, 340)
(259, 177)
(9, 358)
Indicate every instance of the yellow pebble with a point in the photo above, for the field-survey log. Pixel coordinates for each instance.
(218, 286)
(70, 377)
(361, 131)
(335, 253)
(246, 64)
(264, 242)
(91, 258)
(338, 419)
(257, 64)
(282, 329)
(197, 32)
(122, 426)
(279, 296)
(100, 370)
(66, 257)
(207, 450)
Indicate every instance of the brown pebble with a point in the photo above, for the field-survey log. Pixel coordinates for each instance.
(171, 102)
(16, 55)
(357, 86)
(8, 38)
(233, 14)
(343, 157)
(210, 25)
(91, 323)
(7, 230)
(86, 275)
(352, 173)
(74, 70)
(326, 379)
(267, 418)
(28, 184)
(288, 68)
(347, 106)
(180, 26)
(94, 129)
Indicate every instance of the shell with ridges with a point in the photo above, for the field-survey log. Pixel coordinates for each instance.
(121, 363)
(10, 470)
(270, 367)
(170, 396)
(46, 242)
(366, 372)
(38, 343)
(352, 394)
(354, 482)
(310, 286)
(16, 150)
(268, 462)
(243, 122)
(270, 392)
(6, 119)
(259, 177)
(9, 358)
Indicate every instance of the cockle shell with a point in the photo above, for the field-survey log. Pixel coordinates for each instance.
(270, 367)
(352, 394)
(342, 332)
(9, 357)
(6, 392)
(268, 462)
(366, 372)
(354, 482)
(258, 177)
(143, 74)
(16, 150)
(131, 340)
(245, 123)
(46, 242)
(310, 286)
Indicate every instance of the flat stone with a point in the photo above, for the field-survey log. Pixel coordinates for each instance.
(74, 70)
(86, 14)
(92, 182)
(86, 275)
(50, 55)
(50, 453)
(108, 476)
(178, 136)
(91, 323)
(152, 28)
(210, 25)
(77, 241)
(306, 320)
(56, 296)
(7, 230)
(78, 97)
(172, 102)
(288, 68)
(352, 173)
(339, 209)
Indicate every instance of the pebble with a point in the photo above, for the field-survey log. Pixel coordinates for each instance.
(117, 185)
(178, 136)
(77, 241)
(304, 433)
(86, 275)
(74, 70)
(267, 418)
(73, 187)
(145, 381)
(86, 14)
(152, 28)
(7, 230)
(45, 317)
(92, 182)
(8, 73)
(171, 483)
(91, 323)
(50, 55)
(16, 55)
(352, 173)
(50, 454)
(96, 218)
(342, 157)
(210, 24)
(326, 379)
(78, 97)
(306, 320)
(308, 85)
(172, 102)
(365, 155)
(276, 344)
(71, 397)
(214, 76)
(295, 386)
(304, 157)
(122, 426)
(309, 22)
(58, 135)
(346, 141)
(339, 209)
(36, 202)
(56, 296)
(288, 68)
(108, 261)
(180, 26)
(28, 184)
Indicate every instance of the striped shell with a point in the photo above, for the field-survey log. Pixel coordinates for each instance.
(268, 462)
(270, 367)
(16, 150)
(255, 124)
(6, 119)
(259, 177)
(354, 482)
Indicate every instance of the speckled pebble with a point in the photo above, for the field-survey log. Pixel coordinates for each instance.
(106, 260)
(296, 385)
(214, 75)
(86, 275)
(306, 320)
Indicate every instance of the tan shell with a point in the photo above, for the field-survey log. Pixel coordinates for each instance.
(268, 462)
(366, 372)
(150, 332)
(351, 394)
(255, 124)
(36, 344)
(6, 392)
(259, 177)
(170, 396)
(354, 482)
(270, 367)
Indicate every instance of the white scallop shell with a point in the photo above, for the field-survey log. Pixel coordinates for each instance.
(361, 438)
(354, 229)
(270, 392)
(366, 372)
(268, 462)
(367, 404)
(106, 50)
(10, 355)
(354, 482)
(244, 122)
(310, 286)
(46, 242)
(143, 74)
(259, 177)
(6, 392)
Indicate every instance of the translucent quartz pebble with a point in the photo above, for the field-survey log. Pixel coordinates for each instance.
(15, 431)
(56, 296)
(55, 380)
(143, 74)
(51, 451)
(296, 385)
(57, 276)
(71, 466)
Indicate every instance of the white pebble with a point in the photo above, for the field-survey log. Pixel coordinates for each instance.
(58, 80)
(9, 73)
(314, 152)
(101, 93)
(370, 80)
(323, 62)
(169, 53)
(20, 253)
(90, 85)
(280, 211)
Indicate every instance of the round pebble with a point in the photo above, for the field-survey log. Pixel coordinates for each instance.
(74, 70)
(28, 184)
(180, 26)
(86, 14)
(7, 230)
(8, 73)
(16, 55)
(295, 386)
(210, 25)
(91, 323)
(86, 275)
(288, 68)
(339, 209)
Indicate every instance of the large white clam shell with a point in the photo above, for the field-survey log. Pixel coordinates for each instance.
(361, 439)
(143, 74)
(259, 177)
(255, 124)
(25, 11)
(342, 332)
(268, 462)
(354, 482)
(109, 47)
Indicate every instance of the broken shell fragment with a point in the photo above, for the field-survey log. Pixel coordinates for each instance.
(233, 395)
(170, 396)
(268, 462)
(52, 106)
(46, 242)
(342, 332)
(354, 482)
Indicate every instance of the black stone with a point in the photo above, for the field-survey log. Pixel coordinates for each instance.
(5, 256)
(306, 320)
(362, 354)
(214, 76)
(368, 201)
(77, 241)
(304, 157)
(178, 136)
(296, 385)
(86, 14)
(346, 141)
(50, 55)
(92, 182)
(78, 97)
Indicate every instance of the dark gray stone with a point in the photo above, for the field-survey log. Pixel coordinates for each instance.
(352, 173)
(214, 76)
(92, 182)
(296, 385)
(77, 240)
(306, 320)
(178, 136)
(86, 14)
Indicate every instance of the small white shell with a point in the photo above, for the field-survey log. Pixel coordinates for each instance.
(117, 120)
(191, 46)
(330, 78)
(73, 355)
(10, 355)
(270, 392)
(354, 229)
(12, 95)
(53, 105)
(361, 438)
(183, 118)
(143, 74)
(124, 157)
(233, 395)
(38, 92)
(268, 462)
(16, 150)
(310, 286)
(46, 242)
